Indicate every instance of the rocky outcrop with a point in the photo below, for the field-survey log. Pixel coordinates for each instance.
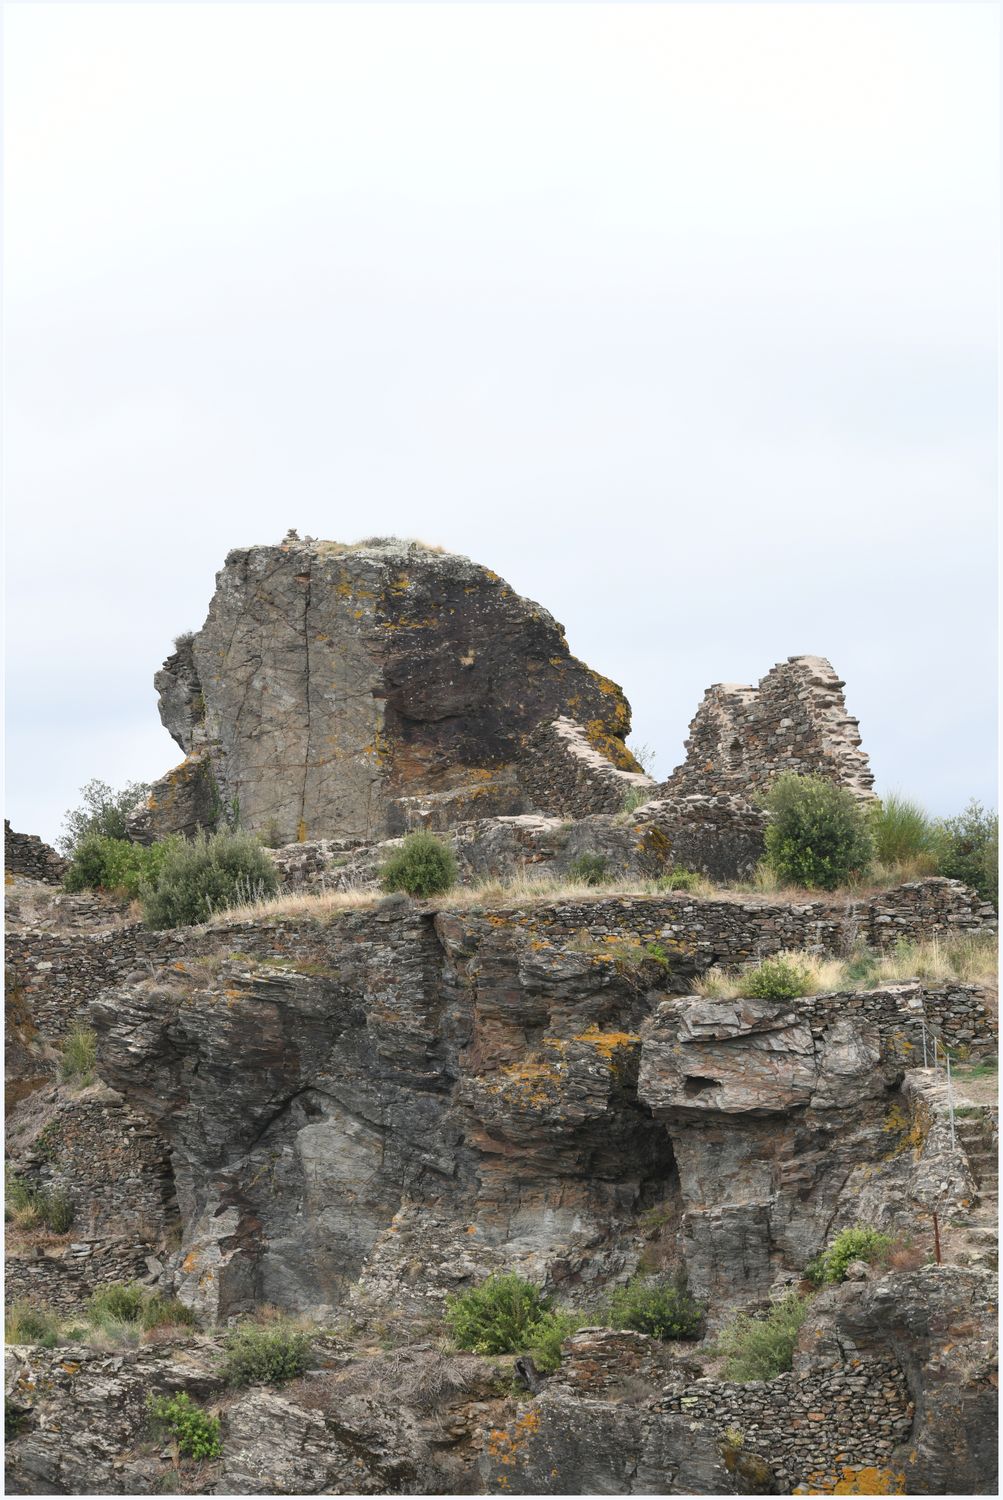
(350, 691)
(794, 720)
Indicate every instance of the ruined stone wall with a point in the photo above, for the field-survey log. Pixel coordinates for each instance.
(60, 974)
(816, 1431)
(26, 854)
(794, 720)
(107, 1158)
(572, 770)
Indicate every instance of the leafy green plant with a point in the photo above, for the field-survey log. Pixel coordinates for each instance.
(102, 863)
(547, 1335)
(663, 1309)
(195, 1432)
(860, 1242)
(762, 1348)
(104, 812)
(422, 866)
(30, 1323)
(79, 1055)
(496, 1317)
(778, 978)
(206, 875)
(967, 849)
(257, 1355)
(901, 830)
(507, 1315)
(590, 869)
(818, 833)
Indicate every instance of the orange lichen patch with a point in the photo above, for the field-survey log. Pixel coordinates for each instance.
(610, 745)
(504, 1446)
(70, 1366)
(855, 1479)
(190, 1261)
(181, 967)
(607, 1043)
(471, 1229)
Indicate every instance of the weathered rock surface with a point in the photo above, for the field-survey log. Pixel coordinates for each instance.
(351, 691)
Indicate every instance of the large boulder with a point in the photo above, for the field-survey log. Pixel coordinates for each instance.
(351, 692)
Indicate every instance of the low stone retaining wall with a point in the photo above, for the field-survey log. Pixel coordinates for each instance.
(63, 1277)
(814, 1431)
(60, 974)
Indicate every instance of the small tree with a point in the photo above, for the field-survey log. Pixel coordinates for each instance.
(818, 834)
(422, 866)
(665, 1310)
(104, 812)
(967, 849)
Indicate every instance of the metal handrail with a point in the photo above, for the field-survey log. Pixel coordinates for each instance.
(940, 1050)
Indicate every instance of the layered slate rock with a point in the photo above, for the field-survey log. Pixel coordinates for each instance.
(352, 692)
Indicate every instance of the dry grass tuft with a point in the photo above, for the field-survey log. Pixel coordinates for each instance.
(969, 958)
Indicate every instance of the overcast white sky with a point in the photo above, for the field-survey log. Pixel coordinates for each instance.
(682, 318)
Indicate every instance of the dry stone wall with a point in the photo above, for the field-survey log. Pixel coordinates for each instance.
(60, 973)
(572, 770)
(823, 1429)
(26, 854)
(794, 720)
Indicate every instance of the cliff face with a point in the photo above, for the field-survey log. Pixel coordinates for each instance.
(331, 686)
(404, 1100)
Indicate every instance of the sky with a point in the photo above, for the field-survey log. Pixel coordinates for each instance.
(682, 318)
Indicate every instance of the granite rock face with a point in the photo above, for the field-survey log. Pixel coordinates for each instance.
(341, 691)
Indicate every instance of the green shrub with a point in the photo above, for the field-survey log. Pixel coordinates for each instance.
(28, 1323)
(663, 1309)
(590, 869)
(778, 978)
(507, 1315)
(118, 1303)
(108, 864)
(258, 1355)
(496, 1317)
(818, 833)
(195, 1432)
(57, 1210)
(208, 874)
(422, 866)
(79, 1054)
(679, 880)
(859, 1243)
(901, 831)
(761, 1348)
(105, 813)
(547, 1335)
(966, 848)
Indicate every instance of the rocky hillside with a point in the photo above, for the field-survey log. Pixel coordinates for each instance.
(322, 1122)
